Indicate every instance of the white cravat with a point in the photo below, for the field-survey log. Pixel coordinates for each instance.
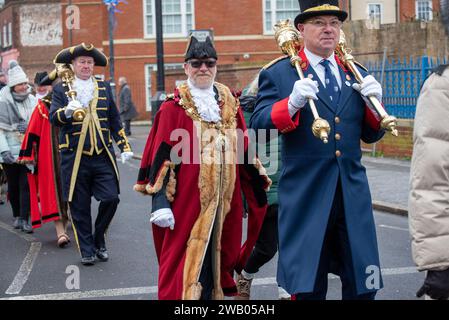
(205, 102)
(84, 90)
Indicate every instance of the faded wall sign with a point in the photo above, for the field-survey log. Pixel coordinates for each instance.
(40, 25)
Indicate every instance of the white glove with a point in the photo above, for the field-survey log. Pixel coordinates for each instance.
(369, 87)
(302, 91)
(127, 155)
(163, 218)
(72, 106)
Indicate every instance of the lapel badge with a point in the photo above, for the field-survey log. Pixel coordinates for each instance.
(303, 65)
(348, 77)
(310, 76)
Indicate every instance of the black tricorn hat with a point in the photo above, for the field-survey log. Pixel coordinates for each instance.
(39, 76)
(200, 49)
(313, 8)
(67, 55)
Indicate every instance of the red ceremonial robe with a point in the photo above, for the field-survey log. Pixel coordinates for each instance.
(39, 149)
(191, 190)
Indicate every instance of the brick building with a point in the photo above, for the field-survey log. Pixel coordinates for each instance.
(242, 34)
(30, 32)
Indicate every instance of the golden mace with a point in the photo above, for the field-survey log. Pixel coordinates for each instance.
(388, 122)
(290, 42)
(67, 76)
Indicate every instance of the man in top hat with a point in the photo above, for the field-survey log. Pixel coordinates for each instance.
(197, 230)
(325, 212)
(88, 164)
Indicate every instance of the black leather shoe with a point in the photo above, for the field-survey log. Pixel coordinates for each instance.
(88, 261)
(102, 254)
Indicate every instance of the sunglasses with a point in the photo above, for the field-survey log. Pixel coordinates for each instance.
(198, 63)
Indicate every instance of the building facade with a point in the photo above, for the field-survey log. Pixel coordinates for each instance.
(30, 32)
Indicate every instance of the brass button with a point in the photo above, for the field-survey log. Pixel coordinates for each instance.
(337, 136)
(337, 120)
(338, 153)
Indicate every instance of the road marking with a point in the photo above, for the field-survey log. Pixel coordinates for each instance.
(25, 269)
(20, 234)
(392, 227)
(96, 294)
(27, 265)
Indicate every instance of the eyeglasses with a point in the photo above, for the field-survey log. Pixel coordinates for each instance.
(335, 24)
(198, 63)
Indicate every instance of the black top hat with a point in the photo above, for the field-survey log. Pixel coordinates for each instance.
(313, 8)
(200, 49)
(68, 54)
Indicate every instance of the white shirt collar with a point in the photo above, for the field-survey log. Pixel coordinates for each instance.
(315, 60)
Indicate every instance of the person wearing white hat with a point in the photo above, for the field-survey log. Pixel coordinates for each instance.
(16, 107)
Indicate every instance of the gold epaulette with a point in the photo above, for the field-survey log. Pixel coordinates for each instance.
(265, 67)
(361, 65)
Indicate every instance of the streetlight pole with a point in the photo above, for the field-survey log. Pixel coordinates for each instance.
(111, 19)
(160, 94)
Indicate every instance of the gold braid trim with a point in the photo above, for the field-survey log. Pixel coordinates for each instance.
(126, 147)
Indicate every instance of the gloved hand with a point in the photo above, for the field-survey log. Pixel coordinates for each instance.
(22, 126)
(8, 157)
(71, 107)
(436, 285)
(127, 155)
(369, 87)
(302, 90)
(163, 218)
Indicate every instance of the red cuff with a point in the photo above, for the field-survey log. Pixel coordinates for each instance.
(281, 117)
(372, 118)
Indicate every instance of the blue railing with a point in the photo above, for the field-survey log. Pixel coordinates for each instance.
(402, 81)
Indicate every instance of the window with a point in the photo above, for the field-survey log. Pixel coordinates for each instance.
(177, 18)
(153, 67)
(424, 10)
(375, 14)
(275, 10)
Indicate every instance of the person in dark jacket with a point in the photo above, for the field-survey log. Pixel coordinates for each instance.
(126, 105)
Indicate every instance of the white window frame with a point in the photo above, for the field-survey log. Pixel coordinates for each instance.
(273, 16)
(381, 10)
(430, 4)
(148, 85)
(184, 32)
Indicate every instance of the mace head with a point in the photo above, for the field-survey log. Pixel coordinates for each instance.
(287, 36)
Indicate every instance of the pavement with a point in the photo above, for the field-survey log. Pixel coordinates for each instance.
(388, 178)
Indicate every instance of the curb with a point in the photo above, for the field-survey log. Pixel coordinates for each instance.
(390, 208)
(377, 205)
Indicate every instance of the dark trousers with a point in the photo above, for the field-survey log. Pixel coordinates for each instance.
(18, 189)
(206, 276)
(267, 243)
(336, 257)
(96, 177)
(127, 127)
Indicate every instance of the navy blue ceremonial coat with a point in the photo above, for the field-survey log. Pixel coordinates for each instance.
(311, 171)
(104, 127)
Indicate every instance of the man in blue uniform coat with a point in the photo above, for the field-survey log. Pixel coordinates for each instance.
(88, 164)
(325, 215)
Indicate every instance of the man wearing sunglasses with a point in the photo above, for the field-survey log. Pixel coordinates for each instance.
(325, 214)
(196, 191)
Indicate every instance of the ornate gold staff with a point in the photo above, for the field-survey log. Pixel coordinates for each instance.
(388, 122)
(67, 76)
(290, 41)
